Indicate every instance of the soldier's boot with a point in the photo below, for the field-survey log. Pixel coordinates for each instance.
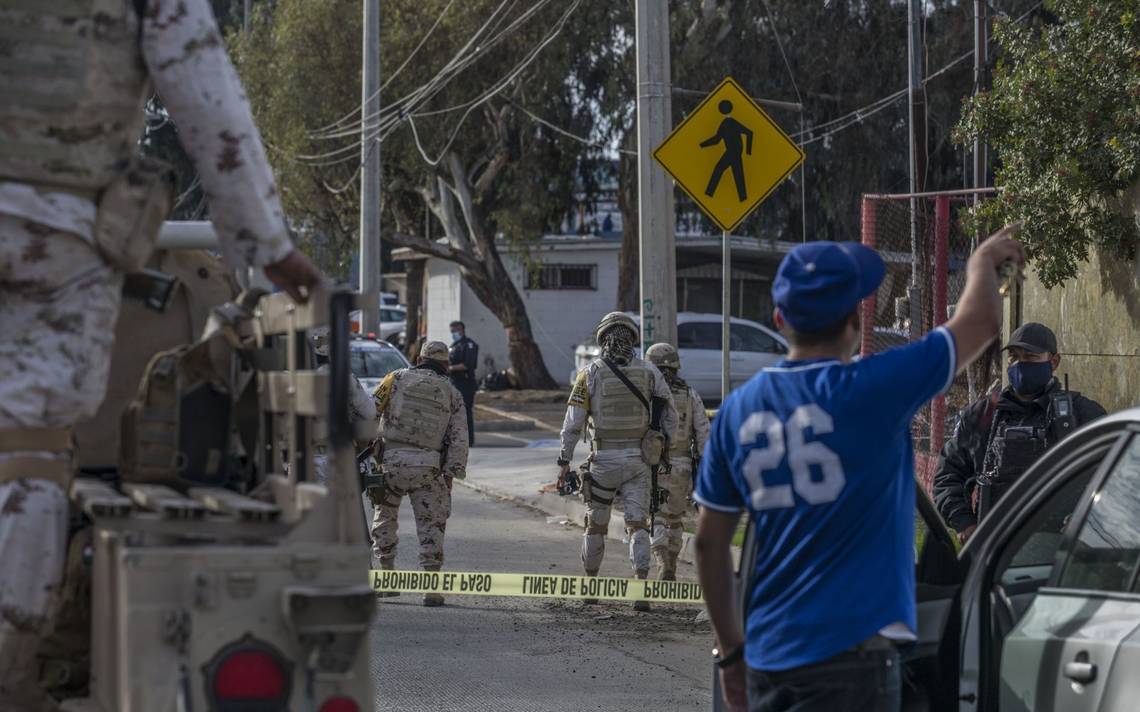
(432, 600)
(641, 606)
(590, 601)
(387, 566)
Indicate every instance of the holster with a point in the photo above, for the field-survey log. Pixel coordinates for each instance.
(131, 210)
(653, 447)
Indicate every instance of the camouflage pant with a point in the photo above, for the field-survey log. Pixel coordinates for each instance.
(431, 504)
(613, 473)
(58, 307)
(668, 526)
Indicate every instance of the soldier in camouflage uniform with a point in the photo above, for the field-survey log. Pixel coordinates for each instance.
(361, 407)
(686, 447)
(616, 420)
(70, 120)
(423, 426)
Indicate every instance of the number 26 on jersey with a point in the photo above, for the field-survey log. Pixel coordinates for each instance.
(786, 439)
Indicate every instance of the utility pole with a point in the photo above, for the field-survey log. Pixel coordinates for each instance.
(981, 59)
(370, 171)
(658, 264)
(247, 6)
(917, 155)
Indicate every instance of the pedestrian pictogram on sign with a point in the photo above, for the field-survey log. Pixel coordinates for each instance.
(728, 155)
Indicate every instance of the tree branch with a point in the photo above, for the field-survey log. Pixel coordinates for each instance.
(434, 249)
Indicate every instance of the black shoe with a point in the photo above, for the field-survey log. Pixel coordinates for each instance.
(433, 600)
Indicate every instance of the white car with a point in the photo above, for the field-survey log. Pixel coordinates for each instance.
(371, 360)
(392, 322)
(752, 346)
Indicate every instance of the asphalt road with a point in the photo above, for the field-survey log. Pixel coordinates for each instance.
(505, 654)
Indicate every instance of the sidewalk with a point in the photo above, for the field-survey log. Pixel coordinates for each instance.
(518, 473)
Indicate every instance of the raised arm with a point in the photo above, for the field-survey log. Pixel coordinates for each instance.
(977, 319)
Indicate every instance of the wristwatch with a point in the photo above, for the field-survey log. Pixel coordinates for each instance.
(563, 463)
(728, 660)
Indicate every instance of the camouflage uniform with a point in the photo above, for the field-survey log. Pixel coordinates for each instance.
(617, 465)
(691, 435)
(418, 470)
(62, 134)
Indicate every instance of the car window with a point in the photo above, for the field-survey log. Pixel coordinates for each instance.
(742, 337)
(1031, 553)
(391, 315)
(375, 363)
(699, 335)
(1107, 549)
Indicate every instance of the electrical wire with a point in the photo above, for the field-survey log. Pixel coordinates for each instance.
(564, 132)
(800, 100)
(499, 86)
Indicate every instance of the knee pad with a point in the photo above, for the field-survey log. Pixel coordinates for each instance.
(637, 524)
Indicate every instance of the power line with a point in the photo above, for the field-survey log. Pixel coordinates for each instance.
(564, 132)
(500, 85)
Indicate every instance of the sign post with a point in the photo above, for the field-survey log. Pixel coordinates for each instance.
(728, 156)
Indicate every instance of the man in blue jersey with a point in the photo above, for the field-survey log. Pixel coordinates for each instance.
(818, 450)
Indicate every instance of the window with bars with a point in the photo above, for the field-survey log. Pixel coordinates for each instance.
(550, 276)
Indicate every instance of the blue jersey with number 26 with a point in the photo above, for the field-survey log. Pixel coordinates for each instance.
(820, 453)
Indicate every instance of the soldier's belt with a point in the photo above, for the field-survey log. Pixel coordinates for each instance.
(598, 445)
(536, 586)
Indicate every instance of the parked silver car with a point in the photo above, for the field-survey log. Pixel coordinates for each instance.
(752, 346)
(371, 360)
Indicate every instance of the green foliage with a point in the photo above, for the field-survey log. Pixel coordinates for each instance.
(300, 64)
(1064, 118)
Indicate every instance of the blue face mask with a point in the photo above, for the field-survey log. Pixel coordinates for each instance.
(456, 336)
(1030, 377)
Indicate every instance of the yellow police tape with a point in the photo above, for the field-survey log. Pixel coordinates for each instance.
(536, 586)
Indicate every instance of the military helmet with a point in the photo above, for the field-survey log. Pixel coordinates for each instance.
(320, 339)
(615, 319)
(663, 356)
(435, 351)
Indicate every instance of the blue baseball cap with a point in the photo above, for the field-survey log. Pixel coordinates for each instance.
(819, 283)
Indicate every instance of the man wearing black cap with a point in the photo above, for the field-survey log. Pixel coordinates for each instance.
(998, 437)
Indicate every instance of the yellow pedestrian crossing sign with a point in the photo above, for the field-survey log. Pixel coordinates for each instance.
(728, 155)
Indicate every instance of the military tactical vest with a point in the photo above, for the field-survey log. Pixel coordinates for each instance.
(681, 448)
(73, 85)
(619, 418)
(419, 411)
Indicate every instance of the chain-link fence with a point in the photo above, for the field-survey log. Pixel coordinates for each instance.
(926, 271)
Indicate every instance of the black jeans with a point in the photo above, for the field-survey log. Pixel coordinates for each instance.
(858, 680)
(467, 390)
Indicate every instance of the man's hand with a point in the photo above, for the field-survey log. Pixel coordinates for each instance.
(565, 470)
(295, 274)
(734, 686)
(1000, 248)
(965, 534)
(449, 481)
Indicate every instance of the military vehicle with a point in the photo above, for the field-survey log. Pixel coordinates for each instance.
(207, 568)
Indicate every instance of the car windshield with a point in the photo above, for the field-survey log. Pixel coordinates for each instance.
(375, 363)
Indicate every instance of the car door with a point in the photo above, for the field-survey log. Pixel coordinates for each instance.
(1015, 621)
(698, 345)
(1078, 647)
(751, 349)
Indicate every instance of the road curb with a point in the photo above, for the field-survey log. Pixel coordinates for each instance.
(572, 508)
(538, 424)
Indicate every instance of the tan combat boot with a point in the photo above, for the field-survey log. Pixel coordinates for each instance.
(432, 600)
(389, 566)
(641, 606)
(590, 601)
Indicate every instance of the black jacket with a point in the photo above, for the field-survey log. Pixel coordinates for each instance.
(964, 453)
(466, 352)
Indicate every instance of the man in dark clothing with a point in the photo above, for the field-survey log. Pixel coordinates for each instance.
(464, 357)
(998, 437)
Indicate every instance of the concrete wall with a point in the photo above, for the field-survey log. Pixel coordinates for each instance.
(1097, 320)
(560, 319)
